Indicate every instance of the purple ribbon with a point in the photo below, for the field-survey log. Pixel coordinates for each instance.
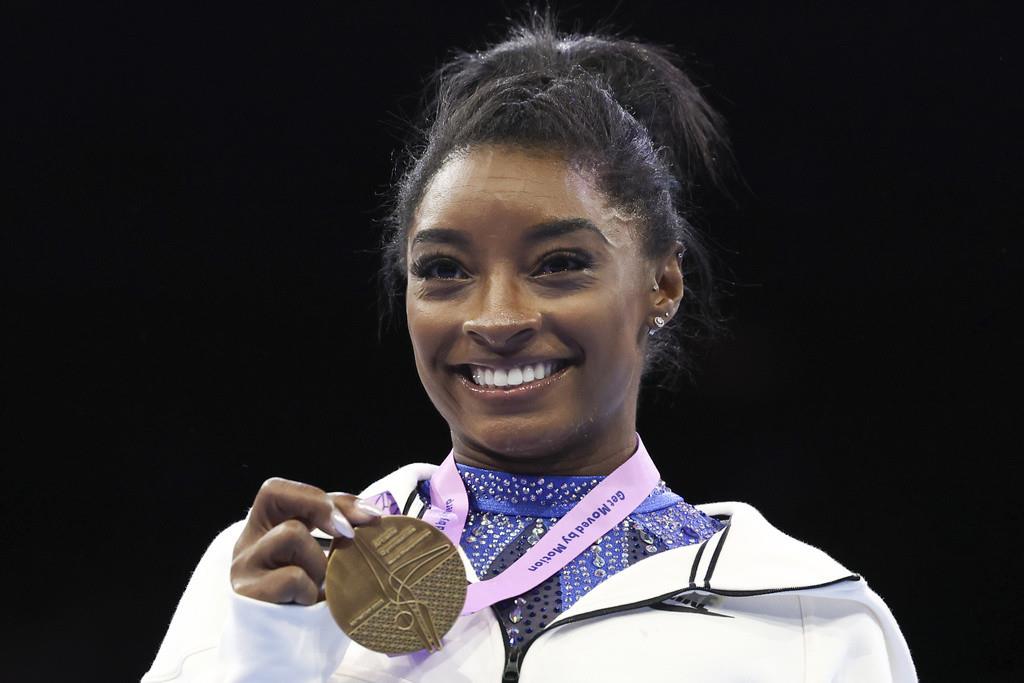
(610, 502)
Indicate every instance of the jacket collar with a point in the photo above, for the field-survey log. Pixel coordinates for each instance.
(749, 556)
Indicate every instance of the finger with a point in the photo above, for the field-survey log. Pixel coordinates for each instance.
(282, 585)
(355, 510)
(289, 543)
(281, 499)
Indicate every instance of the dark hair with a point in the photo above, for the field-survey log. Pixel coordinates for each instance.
(618, 108)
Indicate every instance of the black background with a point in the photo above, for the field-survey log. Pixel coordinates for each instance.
(188, 264)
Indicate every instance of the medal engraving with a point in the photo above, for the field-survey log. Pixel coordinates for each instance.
(397, 587)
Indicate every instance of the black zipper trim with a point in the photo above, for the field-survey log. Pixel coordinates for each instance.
(714, 556)
(521, 652)
(668, 607)
(410, 499)
(696, 562)
(769, 591)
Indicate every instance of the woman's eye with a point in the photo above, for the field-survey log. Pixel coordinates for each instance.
(558, 263)
(448, 269)
(438, 269)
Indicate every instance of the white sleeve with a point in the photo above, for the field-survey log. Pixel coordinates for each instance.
(854, 640)
(218, 636)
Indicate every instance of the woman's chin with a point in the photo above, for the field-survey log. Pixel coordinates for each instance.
(517, 440)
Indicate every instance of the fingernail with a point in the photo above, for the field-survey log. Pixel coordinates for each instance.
(369, 508)
(341, 525)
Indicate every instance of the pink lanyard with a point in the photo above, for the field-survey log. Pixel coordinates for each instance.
(597, 513)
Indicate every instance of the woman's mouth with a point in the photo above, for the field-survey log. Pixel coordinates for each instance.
(516, 380)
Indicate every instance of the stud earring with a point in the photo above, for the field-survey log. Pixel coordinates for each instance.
(660, 322)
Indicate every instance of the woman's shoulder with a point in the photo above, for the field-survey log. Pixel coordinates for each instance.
(752, 557)
(752, 553)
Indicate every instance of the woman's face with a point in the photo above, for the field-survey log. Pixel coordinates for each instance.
(528, 303)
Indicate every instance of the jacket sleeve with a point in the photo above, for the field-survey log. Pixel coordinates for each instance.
(854, 640)
(218, 636)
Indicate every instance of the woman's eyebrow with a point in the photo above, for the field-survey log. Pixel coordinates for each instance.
(441, 236)
(562, 226)
(536, 233)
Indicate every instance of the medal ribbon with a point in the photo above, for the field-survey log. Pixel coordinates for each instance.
(607, 504)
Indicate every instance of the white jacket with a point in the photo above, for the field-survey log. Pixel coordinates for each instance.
(748, 604)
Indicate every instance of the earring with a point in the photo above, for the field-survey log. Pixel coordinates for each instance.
(660, 322)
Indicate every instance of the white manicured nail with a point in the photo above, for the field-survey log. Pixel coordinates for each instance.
(341, 525)
(369, 508)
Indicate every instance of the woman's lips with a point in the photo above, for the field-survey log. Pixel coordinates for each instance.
(506, 393)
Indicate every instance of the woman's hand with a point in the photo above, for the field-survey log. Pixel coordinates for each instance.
(276, 559)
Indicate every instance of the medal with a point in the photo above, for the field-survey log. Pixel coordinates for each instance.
(397, 587)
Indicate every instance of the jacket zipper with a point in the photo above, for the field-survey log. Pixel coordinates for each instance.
(512, 659)
(514, 655)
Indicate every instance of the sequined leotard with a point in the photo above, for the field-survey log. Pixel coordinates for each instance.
(509, 512)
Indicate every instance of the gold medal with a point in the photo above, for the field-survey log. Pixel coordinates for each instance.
(397, 587)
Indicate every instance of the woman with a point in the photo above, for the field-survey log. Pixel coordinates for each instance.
(540, 238)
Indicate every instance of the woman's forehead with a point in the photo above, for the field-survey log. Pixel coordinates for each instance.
(491, 190)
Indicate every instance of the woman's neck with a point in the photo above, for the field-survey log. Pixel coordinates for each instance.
(581, 454)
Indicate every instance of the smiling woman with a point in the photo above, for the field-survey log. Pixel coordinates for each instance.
(529, 320)
(540, 242)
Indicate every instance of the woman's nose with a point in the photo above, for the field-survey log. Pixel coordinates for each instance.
(505, 321)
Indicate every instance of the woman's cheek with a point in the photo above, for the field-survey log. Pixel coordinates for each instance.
(606, 326)
(421, 336)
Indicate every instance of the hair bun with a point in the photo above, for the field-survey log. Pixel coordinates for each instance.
(642, 78)
(646, 82)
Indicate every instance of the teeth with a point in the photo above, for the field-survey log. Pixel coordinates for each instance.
(491, 377)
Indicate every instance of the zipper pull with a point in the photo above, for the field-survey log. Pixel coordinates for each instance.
(511, 674)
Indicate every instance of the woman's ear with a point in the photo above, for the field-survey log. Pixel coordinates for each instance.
(668, 276)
